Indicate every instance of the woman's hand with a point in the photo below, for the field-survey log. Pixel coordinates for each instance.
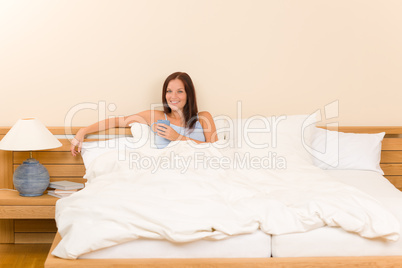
(167, 132)
(77, 142)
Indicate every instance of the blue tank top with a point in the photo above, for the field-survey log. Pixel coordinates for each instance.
(197, 133)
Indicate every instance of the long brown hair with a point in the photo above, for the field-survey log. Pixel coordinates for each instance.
(190, 110)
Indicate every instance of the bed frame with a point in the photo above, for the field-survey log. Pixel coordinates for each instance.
(62, 166)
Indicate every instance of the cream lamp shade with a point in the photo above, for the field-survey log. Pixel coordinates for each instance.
(30, 178)
(29, 134)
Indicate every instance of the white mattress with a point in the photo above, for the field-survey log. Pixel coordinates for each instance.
(336, 242)
(255, 245)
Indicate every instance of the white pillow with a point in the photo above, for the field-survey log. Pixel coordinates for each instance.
(142, 136)
(338, 150)
(221, 126)
(91, 150)
(286, 136)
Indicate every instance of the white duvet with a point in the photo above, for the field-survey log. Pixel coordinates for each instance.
(191, 198)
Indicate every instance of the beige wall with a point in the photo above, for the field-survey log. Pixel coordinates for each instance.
(274, 56)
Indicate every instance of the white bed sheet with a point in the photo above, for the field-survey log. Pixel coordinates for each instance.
(206, 202)
(329, 241)
(255, 245)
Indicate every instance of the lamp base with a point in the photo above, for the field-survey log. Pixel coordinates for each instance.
(31, 178)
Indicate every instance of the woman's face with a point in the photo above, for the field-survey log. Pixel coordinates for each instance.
(176, 95)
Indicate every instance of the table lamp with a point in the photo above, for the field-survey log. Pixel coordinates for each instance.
(29, 134)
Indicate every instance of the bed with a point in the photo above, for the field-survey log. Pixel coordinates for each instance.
(279, 244)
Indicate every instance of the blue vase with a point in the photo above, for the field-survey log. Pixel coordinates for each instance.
(31, 178)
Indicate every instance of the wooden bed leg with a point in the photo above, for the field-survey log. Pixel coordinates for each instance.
(6, 231)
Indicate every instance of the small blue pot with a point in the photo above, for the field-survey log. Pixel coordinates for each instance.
(31, 178)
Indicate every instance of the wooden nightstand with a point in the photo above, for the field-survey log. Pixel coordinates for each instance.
(17, 212)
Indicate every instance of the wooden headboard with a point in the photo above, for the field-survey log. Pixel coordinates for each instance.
(62, 166)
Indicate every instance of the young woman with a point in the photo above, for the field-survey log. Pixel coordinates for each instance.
(179, 107)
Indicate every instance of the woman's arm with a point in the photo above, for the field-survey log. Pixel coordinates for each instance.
(82, 132)
(142, 117)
